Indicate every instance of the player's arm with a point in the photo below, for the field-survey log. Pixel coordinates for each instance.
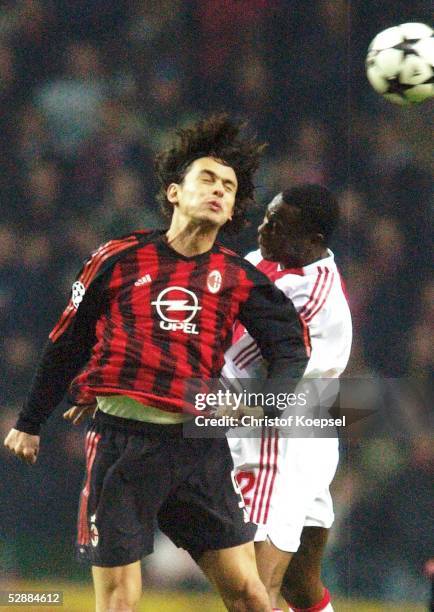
(65, 353)
(271, 319)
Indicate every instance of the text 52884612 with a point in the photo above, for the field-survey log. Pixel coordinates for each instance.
(31, 598)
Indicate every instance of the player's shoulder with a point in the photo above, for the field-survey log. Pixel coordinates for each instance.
(108, 253)
(117, 245)
(254, 257)
(273, 270)
(246, 262)
(232, 255)
(323, 270)
(251, 272)
(135, 236)
(224, 250)
(322, 294)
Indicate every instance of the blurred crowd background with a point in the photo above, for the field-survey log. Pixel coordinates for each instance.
(89, 90)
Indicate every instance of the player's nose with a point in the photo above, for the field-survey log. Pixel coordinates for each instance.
(218, 190)
(261, 228)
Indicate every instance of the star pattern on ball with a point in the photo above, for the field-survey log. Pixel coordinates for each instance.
(406, 46)
(396, 87)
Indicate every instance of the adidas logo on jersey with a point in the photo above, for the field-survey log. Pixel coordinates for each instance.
(143, 280)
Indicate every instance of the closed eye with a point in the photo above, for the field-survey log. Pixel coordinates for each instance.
(273, 222)
(207, 176)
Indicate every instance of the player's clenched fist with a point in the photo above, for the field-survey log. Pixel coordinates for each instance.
(23, 445)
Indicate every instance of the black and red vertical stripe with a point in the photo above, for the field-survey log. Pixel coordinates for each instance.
(134, 355)
(154, 325)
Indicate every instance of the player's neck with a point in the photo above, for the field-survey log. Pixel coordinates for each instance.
(306, 260)
(191, 239)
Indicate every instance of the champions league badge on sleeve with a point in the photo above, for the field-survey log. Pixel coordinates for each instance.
(78, 291)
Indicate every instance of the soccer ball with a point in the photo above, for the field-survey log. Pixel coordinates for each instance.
(400, 63)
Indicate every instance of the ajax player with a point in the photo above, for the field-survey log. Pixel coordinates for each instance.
(149, 316)
(285, 480)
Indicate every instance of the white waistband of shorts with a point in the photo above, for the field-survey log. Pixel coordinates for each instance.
(129, 408)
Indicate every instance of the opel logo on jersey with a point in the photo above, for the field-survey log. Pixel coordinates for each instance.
(214, 281)
(78, 291)
(177, 307)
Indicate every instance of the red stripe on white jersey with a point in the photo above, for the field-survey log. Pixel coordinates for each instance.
(252, 354)
(325, 294)
(241, 354)
(270, 467)
(259, 477)
(313, 294)
(305, 312)
(254, 357)
(306, 336)
(266, 476)
(273, 475)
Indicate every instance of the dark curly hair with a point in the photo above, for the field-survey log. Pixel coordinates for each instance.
(216, 137)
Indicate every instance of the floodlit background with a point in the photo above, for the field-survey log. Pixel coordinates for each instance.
(88, 92)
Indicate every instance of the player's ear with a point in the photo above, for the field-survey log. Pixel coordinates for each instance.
(318, 238)
(172, 193)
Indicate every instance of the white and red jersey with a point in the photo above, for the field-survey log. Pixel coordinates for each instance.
(318, 294)
(285, 480)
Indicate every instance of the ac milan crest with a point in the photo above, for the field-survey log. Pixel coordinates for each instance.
(214, 281)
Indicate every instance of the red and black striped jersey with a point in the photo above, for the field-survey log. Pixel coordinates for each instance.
(147, 322)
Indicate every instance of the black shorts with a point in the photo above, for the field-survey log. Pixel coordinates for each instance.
(140, 476)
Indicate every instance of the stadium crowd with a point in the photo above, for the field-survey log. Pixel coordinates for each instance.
(88, 91)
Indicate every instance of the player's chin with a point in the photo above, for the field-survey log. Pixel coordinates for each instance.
(214, 219)
(267, 253)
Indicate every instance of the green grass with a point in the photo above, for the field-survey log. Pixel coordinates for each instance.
(79, 598)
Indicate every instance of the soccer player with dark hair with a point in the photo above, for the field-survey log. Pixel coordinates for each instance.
(285, 479)
(151, 315)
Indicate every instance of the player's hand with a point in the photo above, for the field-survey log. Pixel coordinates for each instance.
(238, 413)
(254, 411)
(23, 445)
(225, 410)
(77, 414)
